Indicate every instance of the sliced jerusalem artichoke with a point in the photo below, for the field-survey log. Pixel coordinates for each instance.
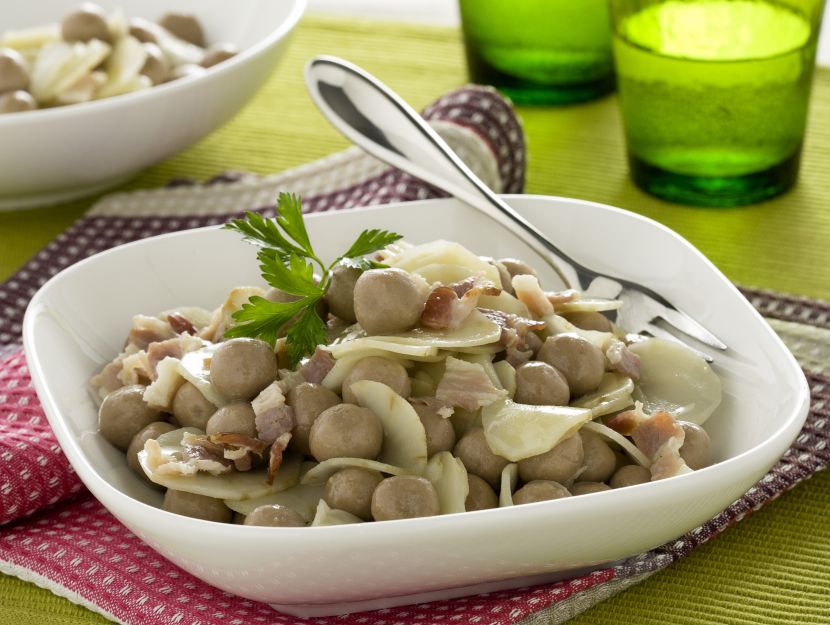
(509, 479)
(518, 431)
(164, 462)
(325, 515)
(302, 498)
(613, 394)
(404, 437)
(443, 253)
(675, 379)
(449, 477)
(324, 470)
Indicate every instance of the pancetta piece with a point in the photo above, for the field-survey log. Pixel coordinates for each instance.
(146, 330)
(273, 417)
(316, 368)
(222, 318)
(623, 360)
(180, 324)
(626, 422)
(561, 297)
(515, 330)
(467, 385)
(275, 456)
(448, 306)
(175, 348)
(660, 438)
(531, 295)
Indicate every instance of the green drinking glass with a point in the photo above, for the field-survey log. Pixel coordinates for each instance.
(540, 51)
(714, 95)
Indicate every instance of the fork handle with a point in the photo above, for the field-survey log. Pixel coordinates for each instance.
(384, 125)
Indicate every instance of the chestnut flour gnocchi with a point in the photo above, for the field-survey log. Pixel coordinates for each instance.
(400, 381)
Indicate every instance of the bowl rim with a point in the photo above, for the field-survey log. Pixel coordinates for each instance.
(283, 30)
(742, 463)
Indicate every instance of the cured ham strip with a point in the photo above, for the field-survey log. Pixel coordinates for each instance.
(623, 360)
(180, 324)
(316, 368)
(626, 422)
(273, 417)
(530, 293)
(275, 457)
(466, 385)
(175, 348)
(561, 297)
(660, 438)
(146, 330)
(448, 306)
(516, 334)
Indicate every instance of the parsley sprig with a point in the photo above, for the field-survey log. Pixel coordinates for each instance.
(287, 261)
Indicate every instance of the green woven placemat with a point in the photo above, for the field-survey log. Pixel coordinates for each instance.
(774, 567)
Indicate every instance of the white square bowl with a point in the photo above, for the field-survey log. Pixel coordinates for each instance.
(78, 320)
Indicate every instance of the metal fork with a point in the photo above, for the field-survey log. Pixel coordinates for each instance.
(378, 120)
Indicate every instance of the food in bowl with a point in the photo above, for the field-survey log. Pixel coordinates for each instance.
(90, 55)
(400, 381)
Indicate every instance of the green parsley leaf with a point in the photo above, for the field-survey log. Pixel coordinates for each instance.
(364, 264)
(263, 232)
(284, 261)
(290, 217)
(295, 277)
(263, 319)
(371, 241)
(305, 334)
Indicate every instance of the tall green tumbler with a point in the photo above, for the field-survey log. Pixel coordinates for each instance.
(714, 94)
(540, 51)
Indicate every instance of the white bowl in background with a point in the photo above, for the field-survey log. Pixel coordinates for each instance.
(78, 320)
(60, 153)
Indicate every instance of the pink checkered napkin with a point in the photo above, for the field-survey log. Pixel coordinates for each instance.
(69, 543)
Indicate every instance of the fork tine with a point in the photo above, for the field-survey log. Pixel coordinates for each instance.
(661, 333)
(689, 326)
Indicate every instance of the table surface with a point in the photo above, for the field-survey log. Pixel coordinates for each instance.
(774, 567)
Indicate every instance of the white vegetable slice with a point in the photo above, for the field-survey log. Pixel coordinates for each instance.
(504, 302)
(343, 366)
(443, 273)
(302, 499)
(554, 324)
(195, 368)
(613, 394)
(60, 65)
(199, 317)
(327, 468)
(675, 379)
(518, 431)
(325, 516)
(82, 90)
(177, 51)
(588, 304)
(404, 437)
(234, 485)
(507, 376)
(490, 349)
(449, 477)
(509, 479)
(380, 344)
(443, 253)
(476, 330)
(627, 446)
(28, 38)
(159, 394)
(124, 67)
